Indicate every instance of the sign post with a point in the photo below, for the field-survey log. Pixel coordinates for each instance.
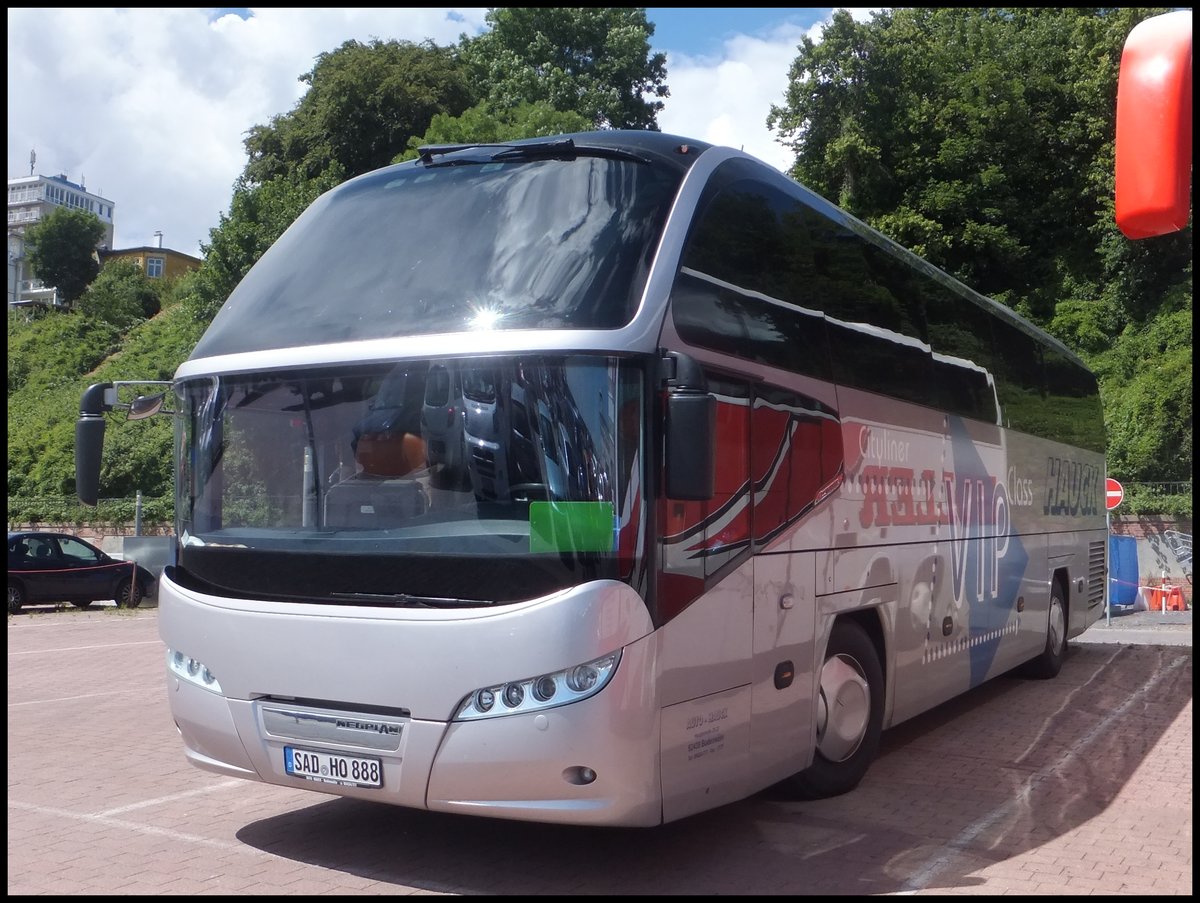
(1114, 494)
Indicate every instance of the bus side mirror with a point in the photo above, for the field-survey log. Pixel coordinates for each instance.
(145, 406)
(89, 440)
(690, 439)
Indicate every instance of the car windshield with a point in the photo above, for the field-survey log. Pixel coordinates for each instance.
(441, 482)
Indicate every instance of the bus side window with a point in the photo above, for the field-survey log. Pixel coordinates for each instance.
(960, 333)
(1078, 417)
(745, 287)
(1019, 381)
(877, 327)
(796, 451)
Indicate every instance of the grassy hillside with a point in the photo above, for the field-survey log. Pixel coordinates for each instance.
(52, 358)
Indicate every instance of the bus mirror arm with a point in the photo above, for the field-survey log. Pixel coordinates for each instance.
(97, 400)
(690, 439)
(100, 399)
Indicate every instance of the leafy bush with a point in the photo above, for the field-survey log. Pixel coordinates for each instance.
(1152, 499)
(67, 511)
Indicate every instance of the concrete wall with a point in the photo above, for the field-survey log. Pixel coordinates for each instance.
(1164, 547)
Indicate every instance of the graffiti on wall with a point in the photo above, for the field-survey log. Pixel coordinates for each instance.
(1180, 544)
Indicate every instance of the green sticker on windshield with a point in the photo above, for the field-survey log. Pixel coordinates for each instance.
(570, 526)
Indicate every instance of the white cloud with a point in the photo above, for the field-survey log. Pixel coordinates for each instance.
(726, 99)
(149, 107)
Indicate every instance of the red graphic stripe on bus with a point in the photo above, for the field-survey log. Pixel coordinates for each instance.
(796, 461)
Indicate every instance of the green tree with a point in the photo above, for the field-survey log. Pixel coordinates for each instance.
(61, 250)
(982, 139)
(363, 104)
(1146, 381)
(122, 294)
(592, 61)
(481, 124)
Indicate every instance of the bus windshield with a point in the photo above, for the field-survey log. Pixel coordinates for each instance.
(417, 250)
(431, 482)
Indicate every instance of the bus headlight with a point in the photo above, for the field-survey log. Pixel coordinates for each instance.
(192, 670)
(535, 693)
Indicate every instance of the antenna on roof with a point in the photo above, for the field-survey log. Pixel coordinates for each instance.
(32, 160)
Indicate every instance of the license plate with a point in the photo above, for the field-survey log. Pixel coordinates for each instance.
(333, 768)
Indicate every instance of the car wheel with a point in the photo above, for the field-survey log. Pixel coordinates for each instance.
(129, 593)
(82, 604)
(16, 597)
(849, 716)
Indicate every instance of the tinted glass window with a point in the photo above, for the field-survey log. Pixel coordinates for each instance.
(1073, 398)
(773, 275)
(852, 317)
(416, 250)
(877, 329)
(1019, 379)
(960, 333)
(717, 316)
(747, 283)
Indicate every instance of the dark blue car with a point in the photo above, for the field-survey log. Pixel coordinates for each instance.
(57, 567)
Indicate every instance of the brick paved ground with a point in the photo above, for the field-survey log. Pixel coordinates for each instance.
(1081, 785)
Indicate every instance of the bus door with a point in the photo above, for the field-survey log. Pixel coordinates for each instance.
(796, 461)
(705, 597)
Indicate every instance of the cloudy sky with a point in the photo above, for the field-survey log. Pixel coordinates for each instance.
(148, 108)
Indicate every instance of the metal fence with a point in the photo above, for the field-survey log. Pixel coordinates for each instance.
(1180, 488)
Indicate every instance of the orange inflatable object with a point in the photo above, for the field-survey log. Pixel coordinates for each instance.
(1154, 127)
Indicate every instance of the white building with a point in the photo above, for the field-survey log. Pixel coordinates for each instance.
(30, 198)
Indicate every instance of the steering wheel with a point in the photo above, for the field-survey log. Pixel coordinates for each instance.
(529, 491)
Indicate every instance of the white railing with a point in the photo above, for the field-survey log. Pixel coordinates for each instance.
(24, 216)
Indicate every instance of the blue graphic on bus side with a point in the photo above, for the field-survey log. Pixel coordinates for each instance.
(987, 559)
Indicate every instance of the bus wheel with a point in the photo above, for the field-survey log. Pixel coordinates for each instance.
(849, 715)
(1050, 661)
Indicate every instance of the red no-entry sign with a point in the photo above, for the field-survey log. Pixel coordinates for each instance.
(1113, 493)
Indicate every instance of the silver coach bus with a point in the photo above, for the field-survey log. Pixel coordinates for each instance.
(736, 484)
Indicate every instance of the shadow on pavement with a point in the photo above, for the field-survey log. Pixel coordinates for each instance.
(1001, 771)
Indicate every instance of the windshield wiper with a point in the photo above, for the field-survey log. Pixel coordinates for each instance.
(560, 149)
(406, 600)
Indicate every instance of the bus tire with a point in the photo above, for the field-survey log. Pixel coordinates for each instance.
(1050, 661)
(849, 715)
